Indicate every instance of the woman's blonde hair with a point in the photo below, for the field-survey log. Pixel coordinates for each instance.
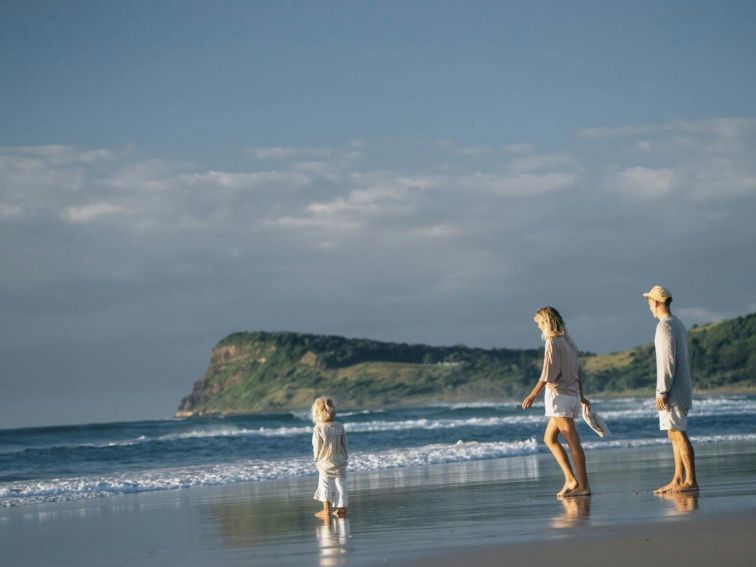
(555, 326)
(323, 410)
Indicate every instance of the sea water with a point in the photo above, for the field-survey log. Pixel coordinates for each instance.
(54, 464)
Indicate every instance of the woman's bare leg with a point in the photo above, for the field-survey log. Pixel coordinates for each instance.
(551, 438)
(566, 426)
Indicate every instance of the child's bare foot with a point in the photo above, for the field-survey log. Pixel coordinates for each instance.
(325, 513)
(568, 486)
(340, 512)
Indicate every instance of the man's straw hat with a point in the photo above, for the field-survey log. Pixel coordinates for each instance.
(659, 293)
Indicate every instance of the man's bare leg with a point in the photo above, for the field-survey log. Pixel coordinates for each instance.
(678, 478)
(684, 479)
(566, 427)
(688, 458)
(551, 438)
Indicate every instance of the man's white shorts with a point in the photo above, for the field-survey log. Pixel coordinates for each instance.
(333, 490)
(561, 405)
(673, 418)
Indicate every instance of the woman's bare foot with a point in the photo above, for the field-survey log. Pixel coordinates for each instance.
(568, 486)
(578, 492)
(340, 512)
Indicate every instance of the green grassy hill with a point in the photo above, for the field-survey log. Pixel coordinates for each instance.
(262, 371)
(722, 355)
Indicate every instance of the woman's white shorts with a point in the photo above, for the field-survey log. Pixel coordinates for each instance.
(561, 405)
(673, 418)
(333, 490)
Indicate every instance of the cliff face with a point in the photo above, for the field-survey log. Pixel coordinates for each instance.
(252, 372)
(267, 371)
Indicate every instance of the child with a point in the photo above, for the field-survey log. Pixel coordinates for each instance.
(329, 448)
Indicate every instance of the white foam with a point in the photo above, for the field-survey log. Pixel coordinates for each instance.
(699, 439)
(476, 405)
(20, 493)
(610, 409)
(77, 488)
(645, 408)
(359, 412)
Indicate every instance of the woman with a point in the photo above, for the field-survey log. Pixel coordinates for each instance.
(563, 398)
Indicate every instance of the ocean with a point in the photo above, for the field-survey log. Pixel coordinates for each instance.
(58, 464)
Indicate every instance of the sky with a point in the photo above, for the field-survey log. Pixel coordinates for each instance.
(425, 172)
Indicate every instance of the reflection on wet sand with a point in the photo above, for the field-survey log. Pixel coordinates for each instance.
(251, 523)
(575, 510)
(332, 536)
(683, 502)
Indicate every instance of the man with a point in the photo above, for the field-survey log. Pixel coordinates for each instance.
(674, 388)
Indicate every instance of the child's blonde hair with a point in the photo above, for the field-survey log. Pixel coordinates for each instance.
(323, 410)
(553, 320)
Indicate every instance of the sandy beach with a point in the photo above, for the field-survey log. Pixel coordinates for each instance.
(492, 512)
(721, 539)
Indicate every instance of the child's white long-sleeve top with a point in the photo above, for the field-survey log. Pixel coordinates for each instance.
(329, 447)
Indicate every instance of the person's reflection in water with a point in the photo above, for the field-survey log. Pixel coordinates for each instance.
(333, 536)
(684, 502)
(575, 510)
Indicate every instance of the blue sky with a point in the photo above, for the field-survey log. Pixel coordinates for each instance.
(171, 172)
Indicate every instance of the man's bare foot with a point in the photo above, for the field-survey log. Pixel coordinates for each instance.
(577, 492)
(568, 486)
(673, 486)
(340, 512)
(676, 487)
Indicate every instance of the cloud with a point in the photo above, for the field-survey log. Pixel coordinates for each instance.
(277, 152)
(449, 241)
(645, 182)
(296, 153)
(10, 211)
(707, 161)
(313, 222)
(91, 212)
(30, 186)
(534, 163)
(701, 315)
(518, 185)
(518, 148)
(240, 181)
(60, 154)
(437, 231)
(720, 127)
(466, 151)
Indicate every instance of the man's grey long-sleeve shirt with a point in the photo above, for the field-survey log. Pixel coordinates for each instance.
(673, 380)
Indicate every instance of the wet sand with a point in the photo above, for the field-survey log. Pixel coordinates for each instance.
(722, 539)
(485, 512)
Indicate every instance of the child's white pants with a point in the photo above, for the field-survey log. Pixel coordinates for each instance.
(333, 490)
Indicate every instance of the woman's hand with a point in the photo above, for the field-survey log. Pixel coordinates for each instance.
(585, 402)
(527, 402)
